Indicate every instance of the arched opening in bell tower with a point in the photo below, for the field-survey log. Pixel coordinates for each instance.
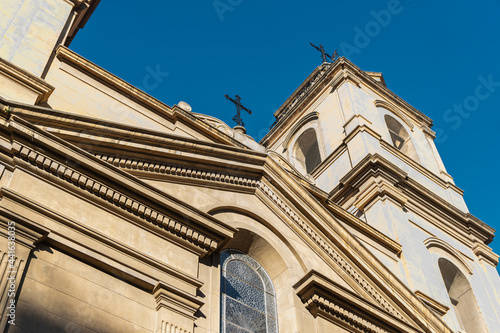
(400, 138)
(306, 151)
(462, 297)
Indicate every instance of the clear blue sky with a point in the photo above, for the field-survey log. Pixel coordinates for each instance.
(433, 54)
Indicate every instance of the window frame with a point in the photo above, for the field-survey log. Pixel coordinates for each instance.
(230, 255)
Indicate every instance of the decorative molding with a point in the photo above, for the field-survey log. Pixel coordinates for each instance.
(167, 327)
(434, 242)
(330, 252)
(485, 253)
(365, 229)
(176, 300)
(390, 107)
(180, 171)
(83, 10)
(216, 123)
(152, 104)
(92, 254)
(326, 298)
(282, 162)
(417, 166)
(430, 133)
(443, 213)
(113, 196)
(304, 120)
(344, 76)
(378, 189)
(34, 83)
(438, 307)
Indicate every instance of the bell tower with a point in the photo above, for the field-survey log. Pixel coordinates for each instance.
(359, 146)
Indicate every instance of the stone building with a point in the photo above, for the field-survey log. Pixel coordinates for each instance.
(122, 214)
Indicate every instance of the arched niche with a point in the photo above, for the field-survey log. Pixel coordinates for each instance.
(305, 152)
(303, 144)
(400, 138)
(462, 297)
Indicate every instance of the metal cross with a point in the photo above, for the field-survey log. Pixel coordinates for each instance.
(325, 55)
(239, 107)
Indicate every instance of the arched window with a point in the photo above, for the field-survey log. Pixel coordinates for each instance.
(462, 298)
(306, 151)
(248, 301)
(400, 137)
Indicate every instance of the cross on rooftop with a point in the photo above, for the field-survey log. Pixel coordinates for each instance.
(239, 107)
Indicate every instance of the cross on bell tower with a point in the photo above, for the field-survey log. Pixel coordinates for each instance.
(325, 55)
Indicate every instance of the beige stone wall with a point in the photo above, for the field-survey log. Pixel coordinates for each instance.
(12, 90)
(62, 294)
(29, 30)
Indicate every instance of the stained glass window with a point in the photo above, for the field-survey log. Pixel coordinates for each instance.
(248, 302)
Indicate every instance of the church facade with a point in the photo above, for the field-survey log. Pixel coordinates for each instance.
(120, 213)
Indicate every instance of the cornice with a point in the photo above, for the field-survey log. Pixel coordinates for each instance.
(186, 173)
(25, 235)
(107, 193)
(415, 194)
(60, 241)
(330, 251)
(352, 221)
(100, 179)
(323, 297)
(68, 56)
(23, 77)
(417, 166)
(321, 230)
(79, 129)
(485, 253)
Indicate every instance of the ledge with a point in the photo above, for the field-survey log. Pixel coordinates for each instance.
(440, 308)
(485, 253)
(24, 78)
(323, 297)
(449, 215)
